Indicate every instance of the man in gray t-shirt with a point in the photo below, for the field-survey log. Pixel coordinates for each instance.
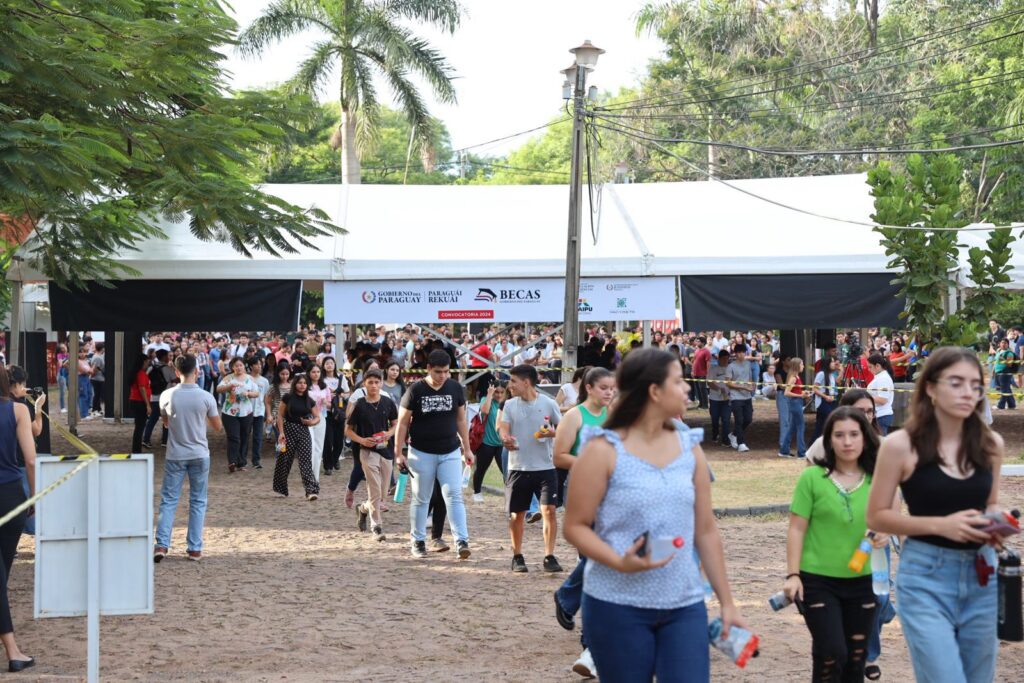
(741, 394)
(187, 410)
(527, 428)
(98, 364)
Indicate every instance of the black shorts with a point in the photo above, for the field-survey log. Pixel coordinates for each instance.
(521, 487)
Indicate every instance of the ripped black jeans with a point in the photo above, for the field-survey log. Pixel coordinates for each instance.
(839, 614)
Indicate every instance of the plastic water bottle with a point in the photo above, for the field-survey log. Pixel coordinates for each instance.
(740, 646)
(861, 554)
(467, 471)
(665, 546)
(400, 486)
(779, 601)
(879, 571)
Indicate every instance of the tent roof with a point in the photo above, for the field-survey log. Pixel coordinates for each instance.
(445, 232)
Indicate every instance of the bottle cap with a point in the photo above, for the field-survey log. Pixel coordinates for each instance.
(678, 541)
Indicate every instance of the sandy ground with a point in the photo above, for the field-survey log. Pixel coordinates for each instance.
(290, 591)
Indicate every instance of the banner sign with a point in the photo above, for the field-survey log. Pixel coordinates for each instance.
(500, 300)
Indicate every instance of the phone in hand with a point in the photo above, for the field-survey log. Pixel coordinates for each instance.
(645, 547)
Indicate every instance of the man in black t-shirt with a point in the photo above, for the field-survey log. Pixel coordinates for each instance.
(433, 415)
(371, 426)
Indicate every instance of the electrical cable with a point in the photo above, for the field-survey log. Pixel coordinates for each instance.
(846, 58)
(802, 84)
(636, 132)
(815, 214)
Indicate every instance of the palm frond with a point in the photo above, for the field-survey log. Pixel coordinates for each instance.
(313, 72)
(445, 14)
(281, 19)
(368, 119)
(404, 51)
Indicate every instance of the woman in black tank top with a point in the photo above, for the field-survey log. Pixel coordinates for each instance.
(946, 461)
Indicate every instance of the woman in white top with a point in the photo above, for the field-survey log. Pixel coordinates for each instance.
(569, 393)
(882, 390)
(321, 395)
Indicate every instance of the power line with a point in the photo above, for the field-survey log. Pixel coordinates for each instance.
(941, 89)
(801, 84)
(844, 59)
(513, 135)
(640, 134)
(808, 212)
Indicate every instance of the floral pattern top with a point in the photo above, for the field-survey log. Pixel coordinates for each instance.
(236, 403)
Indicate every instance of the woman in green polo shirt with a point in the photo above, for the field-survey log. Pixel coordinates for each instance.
(826, 525)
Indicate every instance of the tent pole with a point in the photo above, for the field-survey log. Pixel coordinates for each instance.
(647, 334)
(14, 351)
(119, 357)
(73, 381)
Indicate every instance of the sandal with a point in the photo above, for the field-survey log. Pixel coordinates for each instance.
(872, 672)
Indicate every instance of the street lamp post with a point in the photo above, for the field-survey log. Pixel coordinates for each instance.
(576, 77)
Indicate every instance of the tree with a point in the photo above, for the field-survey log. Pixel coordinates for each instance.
(115, 112)
(362, 38)
(929, 197)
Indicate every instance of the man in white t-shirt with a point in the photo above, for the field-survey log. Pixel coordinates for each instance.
(882, 391)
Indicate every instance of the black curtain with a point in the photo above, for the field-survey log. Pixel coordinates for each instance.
(750, 302)
(179, 305)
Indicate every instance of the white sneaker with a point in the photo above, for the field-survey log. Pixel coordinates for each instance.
(732, 441)
(743, 448)
(63, 411)
(584, 666)
(478, 497)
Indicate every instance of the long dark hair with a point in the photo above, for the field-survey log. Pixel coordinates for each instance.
(141, 363)
(292, 397)
(851, 396)
(593, 376)
(5, 384)
(977, 444)
(281, 367)
(868, 456)
(640, 369)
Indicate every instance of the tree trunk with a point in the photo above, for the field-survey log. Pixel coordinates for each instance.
(350, 171)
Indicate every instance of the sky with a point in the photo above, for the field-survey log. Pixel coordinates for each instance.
(506, 56)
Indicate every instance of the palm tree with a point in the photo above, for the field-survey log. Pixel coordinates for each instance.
(363, 38)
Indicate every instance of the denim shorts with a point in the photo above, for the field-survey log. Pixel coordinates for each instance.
(949, 620)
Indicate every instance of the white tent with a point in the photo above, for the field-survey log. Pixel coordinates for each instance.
(430, 232)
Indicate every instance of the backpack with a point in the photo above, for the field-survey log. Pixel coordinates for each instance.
(476, 433)
(157, 379)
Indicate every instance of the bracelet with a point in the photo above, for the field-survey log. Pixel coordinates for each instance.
(790, 576)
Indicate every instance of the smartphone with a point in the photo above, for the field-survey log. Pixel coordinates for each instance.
(645, 547)
(1002, 529)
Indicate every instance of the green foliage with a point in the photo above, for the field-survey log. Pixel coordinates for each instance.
(1009, 310)
(312, 308)
(929, 195)
(361, 40)
(114, 113)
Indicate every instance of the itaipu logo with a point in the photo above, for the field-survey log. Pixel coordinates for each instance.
(584, 307)
(484, 294)
(369, 297)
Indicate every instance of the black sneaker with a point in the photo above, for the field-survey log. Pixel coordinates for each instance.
(419, 549)
(564, 619)
(533, 517)
(378, 534)
(327, 471)
(146, 444)
(361, 516)
(519, 564)
(437, 545)
(463, 548)
(257, 466)
(551, 564)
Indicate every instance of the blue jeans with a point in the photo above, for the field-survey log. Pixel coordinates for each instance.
(949, 621)
(742, 416)
(794, 426)
(780, 405)
(570, 594)
(633, 644)
(84, 396)
(198, 471)
(30, 522)
(885, 424)
(720, 413)
(447, 469)
(1004, 381)
(884, 613)
(151, 421)
(62, 388)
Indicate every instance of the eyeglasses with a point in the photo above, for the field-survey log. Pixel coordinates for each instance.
(958, 384)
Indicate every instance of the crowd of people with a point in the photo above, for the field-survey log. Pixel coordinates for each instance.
(611, 449)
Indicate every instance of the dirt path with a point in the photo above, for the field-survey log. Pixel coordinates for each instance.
(290, 590)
